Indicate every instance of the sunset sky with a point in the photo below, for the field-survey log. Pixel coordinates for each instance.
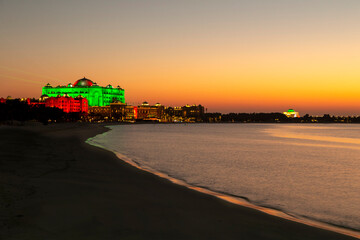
(228, 55)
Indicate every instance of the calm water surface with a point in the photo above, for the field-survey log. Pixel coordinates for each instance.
(305, 170)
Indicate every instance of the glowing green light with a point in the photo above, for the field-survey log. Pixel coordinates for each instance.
(96, 95)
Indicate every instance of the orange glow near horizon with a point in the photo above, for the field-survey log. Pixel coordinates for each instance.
(302, 56)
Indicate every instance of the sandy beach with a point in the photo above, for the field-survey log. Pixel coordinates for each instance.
(55, 186)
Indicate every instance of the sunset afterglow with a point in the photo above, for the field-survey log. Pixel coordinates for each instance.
(229, 56)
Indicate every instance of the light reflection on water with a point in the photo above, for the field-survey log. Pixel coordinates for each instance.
(305, 170)
(292, 132)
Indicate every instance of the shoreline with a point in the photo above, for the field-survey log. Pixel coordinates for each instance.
(56, 186)
(236, 200)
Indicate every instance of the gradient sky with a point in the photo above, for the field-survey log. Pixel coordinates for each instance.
(231, 56)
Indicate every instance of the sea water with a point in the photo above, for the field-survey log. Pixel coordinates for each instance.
(305, 170)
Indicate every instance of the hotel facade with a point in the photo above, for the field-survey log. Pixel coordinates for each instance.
(96, 95)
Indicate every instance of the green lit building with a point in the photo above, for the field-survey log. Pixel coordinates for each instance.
(96, 95)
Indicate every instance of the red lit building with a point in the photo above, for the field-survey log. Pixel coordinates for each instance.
(33, 102)
(68, 104)
(2, 100)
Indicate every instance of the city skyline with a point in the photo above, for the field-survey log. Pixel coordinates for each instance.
(229, 56)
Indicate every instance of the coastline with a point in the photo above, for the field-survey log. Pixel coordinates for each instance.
(237, 200)
(56, 186)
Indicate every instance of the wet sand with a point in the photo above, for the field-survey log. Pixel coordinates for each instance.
(55, 186)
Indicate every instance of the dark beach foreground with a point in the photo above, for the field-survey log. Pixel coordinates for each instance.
(55, 186)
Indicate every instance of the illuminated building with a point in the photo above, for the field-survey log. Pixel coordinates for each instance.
(68, 104)
(291, 114)
(101, 111)
(34, 102)
(147, 112)
(194, 113)
(115, 112)
(187, 113)
(96, 95)
(123, 112)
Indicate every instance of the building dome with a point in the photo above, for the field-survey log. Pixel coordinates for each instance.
(84, 82)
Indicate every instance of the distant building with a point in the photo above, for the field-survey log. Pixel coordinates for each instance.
(291, 114)
(100, 111)
(123, 112)
(68, 104)
(194, 113)
(187, 113)
(147, 112)
(96, 95)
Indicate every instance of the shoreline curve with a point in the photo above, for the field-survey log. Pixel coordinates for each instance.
(230, 198)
